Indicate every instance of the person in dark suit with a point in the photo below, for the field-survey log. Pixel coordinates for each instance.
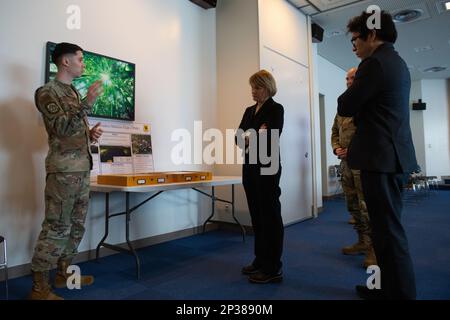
(261, 121)
(382, 148)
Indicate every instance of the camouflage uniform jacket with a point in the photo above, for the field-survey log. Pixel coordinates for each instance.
(342, 132)
(65, 118)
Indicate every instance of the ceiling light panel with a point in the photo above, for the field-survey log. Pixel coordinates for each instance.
(323, 5)
(423, 49)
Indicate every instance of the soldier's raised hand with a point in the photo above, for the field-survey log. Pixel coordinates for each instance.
(94, 91)
(95, 133)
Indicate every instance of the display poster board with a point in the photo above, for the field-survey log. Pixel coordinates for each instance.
(123, 148)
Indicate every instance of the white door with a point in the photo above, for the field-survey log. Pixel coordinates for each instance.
(293, 93)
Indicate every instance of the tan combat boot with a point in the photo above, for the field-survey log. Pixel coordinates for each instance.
(370, 259)
(358, 248)
(41, 289)
(62, 275)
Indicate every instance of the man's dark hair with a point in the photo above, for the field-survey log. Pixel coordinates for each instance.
(387, 31)
(62, 49)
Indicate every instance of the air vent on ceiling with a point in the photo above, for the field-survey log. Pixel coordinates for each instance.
(407, 15)
(434, 69)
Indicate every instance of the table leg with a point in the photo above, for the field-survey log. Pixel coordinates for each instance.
(213, 205)
(97, 251)
(233, 214)
(127, 235)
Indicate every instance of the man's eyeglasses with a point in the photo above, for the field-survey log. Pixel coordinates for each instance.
(352, 40)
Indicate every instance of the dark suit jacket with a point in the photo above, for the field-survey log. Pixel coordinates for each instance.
(379, 102)
(271, 114)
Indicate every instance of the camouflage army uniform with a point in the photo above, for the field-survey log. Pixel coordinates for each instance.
(68, 165)
(341, 135)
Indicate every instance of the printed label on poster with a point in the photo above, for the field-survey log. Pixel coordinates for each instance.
(124, 148)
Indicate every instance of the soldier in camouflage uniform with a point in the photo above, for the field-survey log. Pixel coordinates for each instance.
(68, 165)
(342, 133)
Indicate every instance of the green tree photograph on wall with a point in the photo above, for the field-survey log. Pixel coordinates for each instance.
(118, 77)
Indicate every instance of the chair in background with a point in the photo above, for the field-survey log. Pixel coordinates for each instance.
(419, 186)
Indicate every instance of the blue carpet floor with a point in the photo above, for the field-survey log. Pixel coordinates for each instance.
(207, 267)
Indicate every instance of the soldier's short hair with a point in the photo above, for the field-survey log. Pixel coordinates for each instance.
(264, 79)
(62, 49)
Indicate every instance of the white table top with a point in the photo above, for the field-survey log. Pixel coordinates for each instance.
(216, 181)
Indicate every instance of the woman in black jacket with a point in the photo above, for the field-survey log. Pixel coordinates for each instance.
(263, 123)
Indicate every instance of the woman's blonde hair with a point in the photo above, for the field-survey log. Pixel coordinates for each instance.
(264, 79)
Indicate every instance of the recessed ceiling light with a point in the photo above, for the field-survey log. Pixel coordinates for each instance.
(407, 15)
(443, 6)
(422, 49)
(434, 69)
(334, 33)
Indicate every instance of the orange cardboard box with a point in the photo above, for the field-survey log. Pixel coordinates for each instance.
(142, 179)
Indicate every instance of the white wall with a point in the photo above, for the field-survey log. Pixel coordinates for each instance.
(237, 59)
(172, 43)
(315, 103)
(284, 51)
(244, 30)
(416, 121)
(430, 128)
(436, 119)
(331, 84)
(283, 29)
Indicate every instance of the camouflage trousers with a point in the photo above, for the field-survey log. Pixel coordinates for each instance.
(66, 205)
(351, 184)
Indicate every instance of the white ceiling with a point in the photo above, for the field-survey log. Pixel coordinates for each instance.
(414, 41)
